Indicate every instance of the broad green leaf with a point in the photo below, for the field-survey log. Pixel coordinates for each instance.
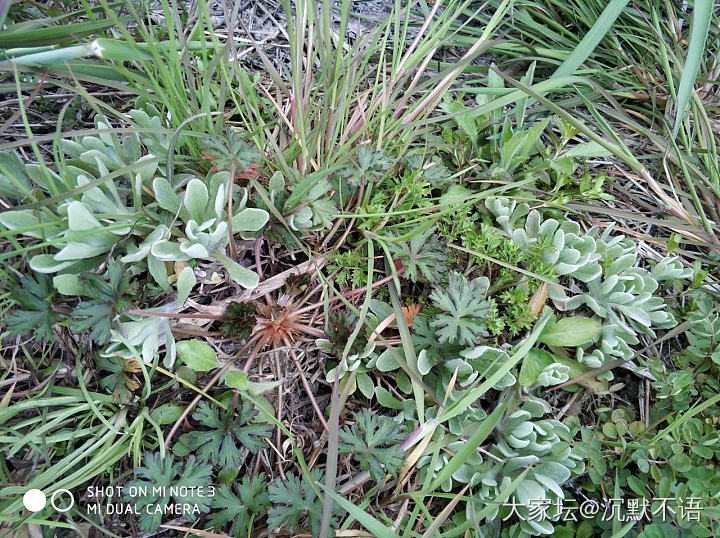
(24, 218)
(386, 361)
(386, 399)
(681, 462)
(236, 379)
(197, 355)
(78, 250)
(637, 485)
(68, 285)
(571, 332)
(366, 386)
(250, 219)
(167, 413)
(194, 250)
(257, 389)
(531, 367)
(424, 363)
(80, 218)
(168, 251)
(46, 263)
(165, 195)
(196, 198)
(587, 149)
(158, 270)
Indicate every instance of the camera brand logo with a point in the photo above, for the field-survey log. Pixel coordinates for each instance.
(35, 500)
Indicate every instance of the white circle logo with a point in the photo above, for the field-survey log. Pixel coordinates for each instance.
(65, 508)
(34, 500)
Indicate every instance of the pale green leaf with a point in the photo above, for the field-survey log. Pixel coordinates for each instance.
(245, 277)
(197, 355)
(185, 282)
(196, 198)
(68, 284)
(236, 379)
(571, 332)
(250, 219)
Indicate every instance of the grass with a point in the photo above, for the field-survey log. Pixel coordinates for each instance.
(492, 227)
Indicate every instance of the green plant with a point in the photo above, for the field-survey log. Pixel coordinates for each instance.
(465, 308)
(121, 380)
(239, 320)
(537, 450)
(367, 441)
(422, 256)
(297, 498)
(187, 484)
(36, 314)
(222, 443)
(241, 509)
(617, 291)
(201, 207)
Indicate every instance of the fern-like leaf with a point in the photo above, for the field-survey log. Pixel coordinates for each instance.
(368, 442)
(466, 308)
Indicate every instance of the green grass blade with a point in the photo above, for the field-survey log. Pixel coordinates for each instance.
(365, 519)
(66, 33)
(475, 440)
(470, 396)
(698, 34)
(591, 40)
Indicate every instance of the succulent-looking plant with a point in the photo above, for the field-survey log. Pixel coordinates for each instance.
(202, 209)
(526, 441)
(623, 295)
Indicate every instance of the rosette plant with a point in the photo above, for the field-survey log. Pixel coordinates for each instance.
(205, 234)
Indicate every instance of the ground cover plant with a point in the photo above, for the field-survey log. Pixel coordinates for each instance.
(389, 269)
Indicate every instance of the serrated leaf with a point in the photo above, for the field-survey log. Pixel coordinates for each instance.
(222, 443)
(368, 442)
(295, 499)
(121, 380)
(34, 313)
(465, 310)
(163, 476)
(252, 501)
